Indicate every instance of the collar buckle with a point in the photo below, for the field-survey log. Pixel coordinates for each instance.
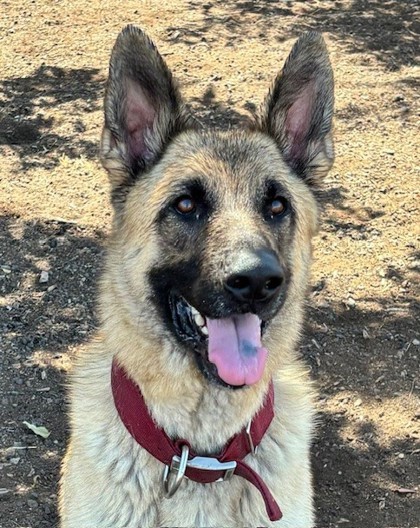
(179, 465)
(212, 464)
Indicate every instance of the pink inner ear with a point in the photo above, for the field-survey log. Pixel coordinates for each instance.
(139, 117)
(298, 121)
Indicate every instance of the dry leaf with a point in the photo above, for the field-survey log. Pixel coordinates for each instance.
(404, 491)
(38, 430)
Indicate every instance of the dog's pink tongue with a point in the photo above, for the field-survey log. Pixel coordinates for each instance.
(235, 348)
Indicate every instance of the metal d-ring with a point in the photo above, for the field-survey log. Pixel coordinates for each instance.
(178, 465)
(251, 446)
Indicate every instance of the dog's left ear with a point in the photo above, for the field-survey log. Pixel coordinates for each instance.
(298, 110)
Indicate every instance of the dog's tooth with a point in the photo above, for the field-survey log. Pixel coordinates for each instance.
(193, 310)
(204, 330)
(199, 319)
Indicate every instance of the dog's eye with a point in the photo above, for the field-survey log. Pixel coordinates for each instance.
(185, 205)
(277, 206)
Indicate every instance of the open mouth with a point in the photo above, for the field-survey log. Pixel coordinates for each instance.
(228, 350)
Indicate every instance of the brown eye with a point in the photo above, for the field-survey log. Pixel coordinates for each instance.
(185, 205)
(277, 206)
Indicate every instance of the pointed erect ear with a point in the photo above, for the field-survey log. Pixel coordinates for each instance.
(298, 110)
(143, 108)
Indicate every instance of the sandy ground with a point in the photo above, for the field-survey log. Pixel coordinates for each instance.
(362, 339)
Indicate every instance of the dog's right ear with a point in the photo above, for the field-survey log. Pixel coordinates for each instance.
(143, 108)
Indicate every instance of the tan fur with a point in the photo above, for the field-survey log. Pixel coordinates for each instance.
(109, 481)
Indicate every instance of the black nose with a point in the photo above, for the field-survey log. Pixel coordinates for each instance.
(257, 276)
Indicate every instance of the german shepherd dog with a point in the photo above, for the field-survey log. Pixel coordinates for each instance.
(201, 305)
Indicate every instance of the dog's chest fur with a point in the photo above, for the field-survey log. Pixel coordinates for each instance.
(125, 482)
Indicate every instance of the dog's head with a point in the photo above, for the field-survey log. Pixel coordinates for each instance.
(212, 231)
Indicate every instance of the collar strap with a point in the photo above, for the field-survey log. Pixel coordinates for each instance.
(178, 456)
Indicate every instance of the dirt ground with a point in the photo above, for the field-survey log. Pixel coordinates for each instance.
(362, 339)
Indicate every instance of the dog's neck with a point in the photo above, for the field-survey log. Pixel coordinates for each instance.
(180, 399)
(218, 414)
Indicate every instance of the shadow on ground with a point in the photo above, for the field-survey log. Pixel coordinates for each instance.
(39, 324)
(54, 314)
(387, 29)
(357, 478)
(32, 134)
(210, 112)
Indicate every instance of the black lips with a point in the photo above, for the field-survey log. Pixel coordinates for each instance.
(183, 321)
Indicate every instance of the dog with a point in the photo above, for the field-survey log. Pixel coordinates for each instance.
(192, 406)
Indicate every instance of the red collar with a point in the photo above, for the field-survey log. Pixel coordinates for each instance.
(178, 457)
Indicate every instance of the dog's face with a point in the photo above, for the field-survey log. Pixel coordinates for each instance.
(213, 229)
